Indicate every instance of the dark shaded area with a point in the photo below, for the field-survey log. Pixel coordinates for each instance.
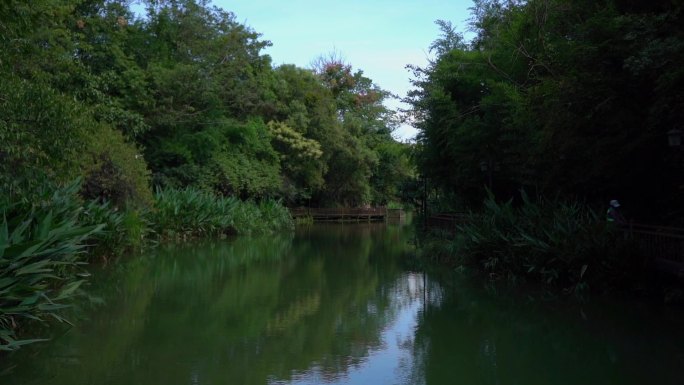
(575, 99)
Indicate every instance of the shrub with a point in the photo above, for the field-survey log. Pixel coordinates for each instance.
(116, 171)
(560, 245)
(41, 246)
(43, 136)
(123, 229)
(191, 212)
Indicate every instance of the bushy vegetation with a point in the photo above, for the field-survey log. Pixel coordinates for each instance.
(124, 230)
(182, 101)
(41, 253)
(561, 97)
(184, 97)
(190, 212)
(45, 243)
(561, 246)
(572, 99)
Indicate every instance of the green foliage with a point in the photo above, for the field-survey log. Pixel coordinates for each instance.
(190, 212)
(562, 246)
(349, 171)
(124, 230)
(116, 171)
(89, 89)
(43, 136)
(560, 97)
(393, 172)
(264, 217)
(47, 137)
(177, 101)
(307, 107)
(294, 144)
(43, 244)
(40, 257)
(300, 159)
(247, 166)
(358, 159)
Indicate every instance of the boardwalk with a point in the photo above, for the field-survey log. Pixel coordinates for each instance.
(374, 214)
(663, 246)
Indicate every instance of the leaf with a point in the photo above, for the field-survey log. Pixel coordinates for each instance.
(61, 319)
(36, 267)
(14, 345)
(43, 229)
(5, 282)
(4, 236)
(69, 289)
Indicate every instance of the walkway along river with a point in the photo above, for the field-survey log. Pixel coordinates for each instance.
(337, 304)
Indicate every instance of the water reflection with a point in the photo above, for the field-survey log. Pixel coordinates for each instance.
(384, 360)
(336, 305)
(247, 311)
(472, 337)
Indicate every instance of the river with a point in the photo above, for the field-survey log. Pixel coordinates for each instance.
(337, 304)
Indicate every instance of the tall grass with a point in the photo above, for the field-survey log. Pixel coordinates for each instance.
(41, 247)
(563, 246)
(190, 212)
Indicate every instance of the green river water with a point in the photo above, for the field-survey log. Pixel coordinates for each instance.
(337, 304)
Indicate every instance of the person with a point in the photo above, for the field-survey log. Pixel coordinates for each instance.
(613, 214)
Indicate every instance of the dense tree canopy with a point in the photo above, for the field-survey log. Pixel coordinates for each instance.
(560, 97)
(183, 96)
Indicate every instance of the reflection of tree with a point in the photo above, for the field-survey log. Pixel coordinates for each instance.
(244, 311)
(315, 308)
(473, 338)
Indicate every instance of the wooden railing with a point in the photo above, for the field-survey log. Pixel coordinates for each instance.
(446, 221)
(301, 211)
(345, 214)
(663, 246)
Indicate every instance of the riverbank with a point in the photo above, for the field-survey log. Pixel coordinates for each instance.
(560, 248)
(45, 243)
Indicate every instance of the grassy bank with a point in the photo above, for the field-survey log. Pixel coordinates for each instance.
(45, 243)
(191, 213)
(562, 247)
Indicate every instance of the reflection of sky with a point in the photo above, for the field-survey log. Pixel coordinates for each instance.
(392, 362)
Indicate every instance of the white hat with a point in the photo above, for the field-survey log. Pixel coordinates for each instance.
(615, 203)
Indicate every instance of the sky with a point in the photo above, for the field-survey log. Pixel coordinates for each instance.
(379, 37)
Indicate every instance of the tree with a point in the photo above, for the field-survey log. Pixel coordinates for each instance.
(555, 96)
